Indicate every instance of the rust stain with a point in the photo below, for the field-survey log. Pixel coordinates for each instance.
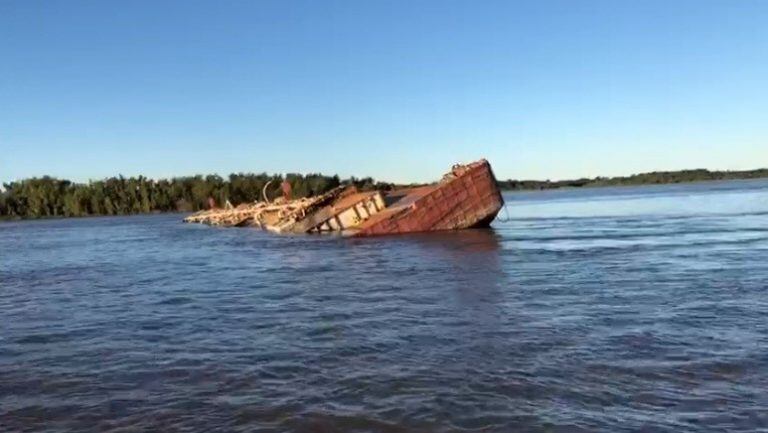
(468, 197)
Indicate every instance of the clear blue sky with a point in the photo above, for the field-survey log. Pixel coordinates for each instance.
(396, 90)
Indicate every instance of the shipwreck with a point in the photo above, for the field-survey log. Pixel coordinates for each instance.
(468, 196)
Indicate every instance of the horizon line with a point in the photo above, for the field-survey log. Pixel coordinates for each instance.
(280, 175)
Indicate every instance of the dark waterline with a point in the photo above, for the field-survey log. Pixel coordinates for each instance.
(607, 309)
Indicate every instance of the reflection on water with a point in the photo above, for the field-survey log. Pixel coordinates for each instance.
(620, 309)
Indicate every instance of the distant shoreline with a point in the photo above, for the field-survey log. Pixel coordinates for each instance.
(48, 197)
(642, 179)
(598, 186)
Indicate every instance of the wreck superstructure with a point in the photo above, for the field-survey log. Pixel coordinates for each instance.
(466, 197)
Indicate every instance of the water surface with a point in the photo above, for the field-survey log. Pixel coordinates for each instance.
(612, 309)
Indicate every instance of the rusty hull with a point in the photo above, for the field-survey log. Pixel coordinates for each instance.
(467, 197)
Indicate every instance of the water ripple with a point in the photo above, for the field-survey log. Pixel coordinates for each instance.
(605, 310)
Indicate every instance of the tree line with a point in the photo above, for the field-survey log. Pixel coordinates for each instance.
(656, 177)
(51, 197)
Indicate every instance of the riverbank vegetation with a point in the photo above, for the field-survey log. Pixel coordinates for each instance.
(653, 178)
(51, 197)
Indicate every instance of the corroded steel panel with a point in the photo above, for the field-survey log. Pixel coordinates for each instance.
(468, 197)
